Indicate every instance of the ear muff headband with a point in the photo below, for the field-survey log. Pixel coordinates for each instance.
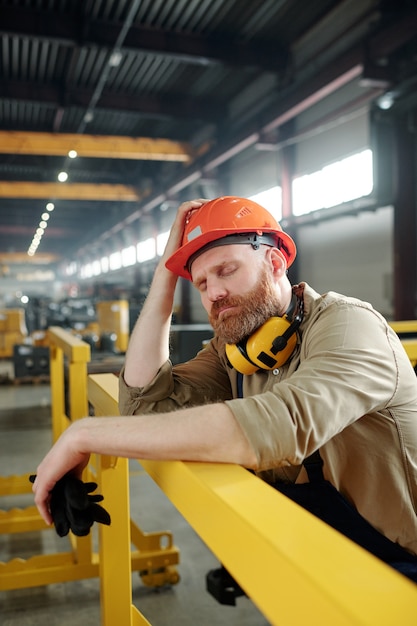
(269, 347)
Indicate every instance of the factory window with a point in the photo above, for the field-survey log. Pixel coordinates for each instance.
(336, 183)
(104, 262)
(271, 199)
(96, 267)
(115, 261)
(128, 256)
(161, 242)
(146, 250)
(339, 182)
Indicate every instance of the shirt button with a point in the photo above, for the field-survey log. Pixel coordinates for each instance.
(275, 372)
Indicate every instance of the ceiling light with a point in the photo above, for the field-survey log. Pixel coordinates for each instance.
(50, 206)
(115, 58)
(45, 216)
(62, 177)
(386, 101)
(43, 225)
(72, 154)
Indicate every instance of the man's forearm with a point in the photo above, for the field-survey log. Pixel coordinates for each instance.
(149, 343)
(208, 433)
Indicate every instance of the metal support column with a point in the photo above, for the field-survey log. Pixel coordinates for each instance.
(288, 156)
(405, 222)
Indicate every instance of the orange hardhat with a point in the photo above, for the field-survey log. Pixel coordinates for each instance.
(218, 220)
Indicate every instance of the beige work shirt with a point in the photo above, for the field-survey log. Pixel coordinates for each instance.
(348, 390)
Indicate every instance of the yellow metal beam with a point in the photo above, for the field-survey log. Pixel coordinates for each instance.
(15, 484)
(21, 520)
(277, 551)
(69, 191)
(97, 146)
(103, 392)
(42, 258)
(45, 569)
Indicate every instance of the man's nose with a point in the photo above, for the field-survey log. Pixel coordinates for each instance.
(215, 290)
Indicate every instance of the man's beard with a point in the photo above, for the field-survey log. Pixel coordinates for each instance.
(254, 309)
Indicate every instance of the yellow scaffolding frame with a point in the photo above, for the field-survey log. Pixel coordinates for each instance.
(295, 568)
(155, 556)
(275, 550)
(80, 562)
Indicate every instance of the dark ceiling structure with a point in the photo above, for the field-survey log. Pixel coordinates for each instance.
(157, 96)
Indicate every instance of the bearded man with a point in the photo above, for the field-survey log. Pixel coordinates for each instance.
(291, 381)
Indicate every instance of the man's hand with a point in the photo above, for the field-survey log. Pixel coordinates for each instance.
(185, 210)
(72, 508)
(65, 457)
(148, 347)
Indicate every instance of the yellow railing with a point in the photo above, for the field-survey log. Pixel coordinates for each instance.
(69, 357)
(295, 568)
(276, 551)
(80, 562)
(156, 557)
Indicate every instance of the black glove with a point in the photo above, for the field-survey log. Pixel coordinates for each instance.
(72, 508)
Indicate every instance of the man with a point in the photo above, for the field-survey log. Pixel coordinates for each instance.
(288, 373)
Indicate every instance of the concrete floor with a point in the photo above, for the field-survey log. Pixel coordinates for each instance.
(25, 436)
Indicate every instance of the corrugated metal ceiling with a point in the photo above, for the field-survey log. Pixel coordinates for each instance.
(185, 67)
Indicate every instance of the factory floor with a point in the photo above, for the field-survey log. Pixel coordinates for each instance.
(25, 436)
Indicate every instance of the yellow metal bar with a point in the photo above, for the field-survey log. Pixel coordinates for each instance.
(56, 372)
(21, 520)
(78, 354)
(15, 485)
(155, 556)
(103, 393)
(276, 550)
(137, 619)
(114, 540)
(115, 555)
(74, 348)
(44, 569)
(77, 387)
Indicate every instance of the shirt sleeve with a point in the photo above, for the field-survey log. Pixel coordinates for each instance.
(202, 380)
(348, 369)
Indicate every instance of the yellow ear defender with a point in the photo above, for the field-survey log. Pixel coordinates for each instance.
(269, 347)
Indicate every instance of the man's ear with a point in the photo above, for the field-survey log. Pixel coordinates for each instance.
(278, 262)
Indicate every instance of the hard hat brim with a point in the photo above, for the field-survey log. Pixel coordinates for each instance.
(178, 262)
